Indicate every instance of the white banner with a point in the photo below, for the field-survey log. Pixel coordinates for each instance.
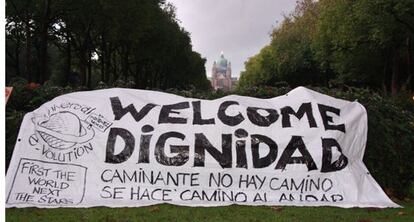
(124, 148)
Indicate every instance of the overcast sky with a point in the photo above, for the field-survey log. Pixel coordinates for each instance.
(239, 28)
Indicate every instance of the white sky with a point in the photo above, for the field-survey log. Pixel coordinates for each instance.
(239, 28)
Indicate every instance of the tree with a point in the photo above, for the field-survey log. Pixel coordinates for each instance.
(364, 43)
(19, 34)
(111, 41)
(289, 57)
(368, 42)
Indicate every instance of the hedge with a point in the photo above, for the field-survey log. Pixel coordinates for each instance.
(390, 147)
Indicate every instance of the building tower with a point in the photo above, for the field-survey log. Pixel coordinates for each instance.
(221, 74)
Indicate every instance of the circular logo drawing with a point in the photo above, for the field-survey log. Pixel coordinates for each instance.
(63, 130)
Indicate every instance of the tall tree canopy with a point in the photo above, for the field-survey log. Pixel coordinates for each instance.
(82, 42)
(355, 42)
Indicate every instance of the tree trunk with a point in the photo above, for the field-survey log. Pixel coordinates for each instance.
(83, 65)
(409, 65)
(124, 61)
(395, 71)
(385, 78)
(17, 55)
(28, 51)
(89, 69)
(102, 58)
(108, 63)
(115, 72)
(144, 75)
(43, 35)
(68, 69)
(136, 76)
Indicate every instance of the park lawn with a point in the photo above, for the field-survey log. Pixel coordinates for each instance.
(167, 212)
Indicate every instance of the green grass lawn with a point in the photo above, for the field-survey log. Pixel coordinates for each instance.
(231, 213)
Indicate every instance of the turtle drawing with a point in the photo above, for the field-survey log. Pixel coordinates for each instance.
(63, 130)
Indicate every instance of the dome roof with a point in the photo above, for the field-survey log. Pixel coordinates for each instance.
(222, 63)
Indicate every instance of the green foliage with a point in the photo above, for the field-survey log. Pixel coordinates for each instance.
(13, 120)
(366, 43)
(289, 56)
(260, 69)
(390, 145)
(83, 42)
(411, 193)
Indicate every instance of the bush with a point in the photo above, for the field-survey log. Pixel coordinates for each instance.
(390, 145)
(14, 119)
